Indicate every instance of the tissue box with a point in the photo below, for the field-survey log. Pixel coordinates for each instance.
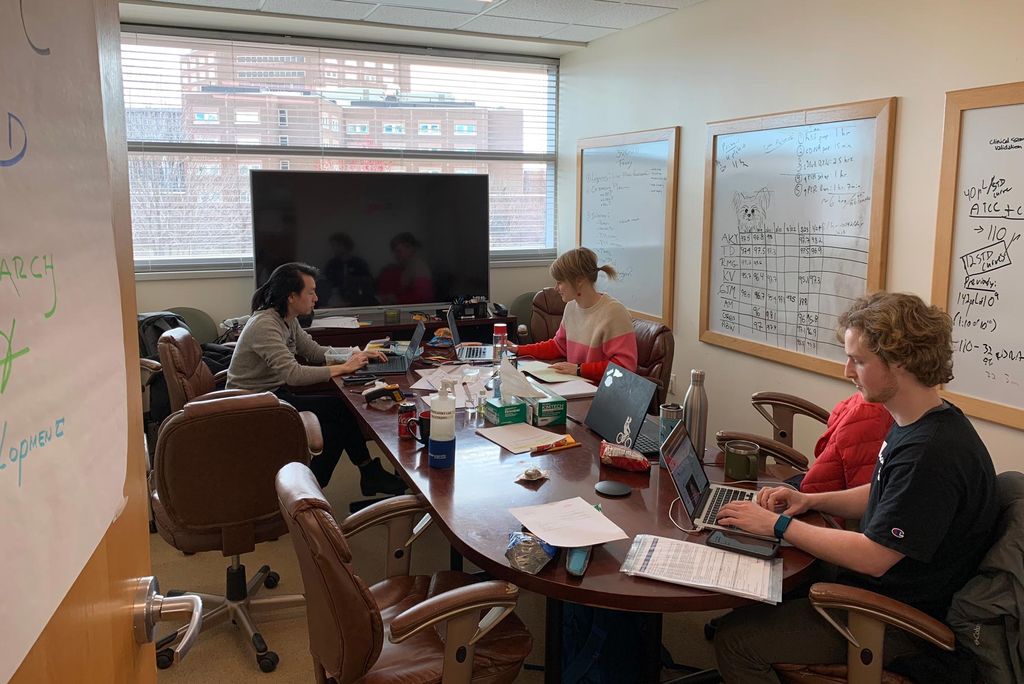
(505, 411)
(546, 410)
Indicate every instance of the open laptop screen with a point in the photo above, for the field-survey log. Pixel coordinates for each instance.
(454, 328)
(620, 404)
(414, 343)
(686, 469)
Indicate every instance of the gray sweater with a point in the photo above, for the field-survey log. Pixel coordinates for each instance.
(264, 357)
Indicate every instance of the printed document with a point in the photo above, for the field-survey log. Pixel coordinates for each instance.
(569, 523)
(704, 567)
(543, 371)
(518, 437)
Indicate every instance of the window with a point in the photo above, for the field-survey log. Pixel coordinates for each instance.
(190, 194)
(206, 117)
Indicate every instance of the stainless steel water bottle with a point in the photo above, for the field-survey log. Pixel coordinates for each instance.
(695, 411)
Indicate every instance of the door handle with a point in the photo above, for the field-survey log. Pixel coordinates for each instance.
(150, 608)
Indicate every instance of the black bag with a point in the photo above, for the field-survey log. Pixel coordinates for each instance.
(151, 326)
(601, 646)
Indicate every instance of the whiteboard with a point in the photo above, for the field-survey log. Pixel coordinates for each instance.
(626, 213)
(789, 235)
(980, 231)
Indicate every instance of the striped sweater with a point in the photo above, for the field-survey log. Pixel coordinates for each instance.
(591, 338)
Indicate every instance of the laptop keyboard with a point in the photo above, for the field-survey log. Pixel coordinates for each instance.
(475, 352)
(721, 496)
(645, 445)
(395, 364)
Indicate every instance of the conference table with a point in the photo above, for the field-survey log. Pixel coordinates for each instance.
(470, 503)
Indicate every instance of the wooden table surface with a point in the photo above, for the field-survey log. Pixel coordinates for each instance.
(471, 501)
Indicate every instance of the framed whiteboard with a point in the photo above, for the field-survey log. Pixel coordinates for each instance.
(979, 253)
(796, 209)
(626, 212)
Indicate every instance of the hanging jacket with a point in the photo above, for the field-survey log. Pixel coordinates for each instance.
(986, 614)
(845, 455)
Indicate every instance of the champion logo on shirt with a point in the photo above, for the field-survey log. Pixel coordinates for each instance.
(897, 532)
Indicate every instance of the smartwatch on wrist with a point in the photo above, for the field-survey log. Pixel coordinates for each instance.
(579, 369)
(780, 526)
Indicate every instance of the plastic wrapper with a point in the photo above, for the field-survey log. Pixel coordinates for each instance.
(623, 458)
(528, 553)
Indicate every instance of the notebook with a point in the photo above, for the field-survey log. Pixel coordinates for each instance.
(619, 411)
(399, 364)
(700, 498)
(483, 352)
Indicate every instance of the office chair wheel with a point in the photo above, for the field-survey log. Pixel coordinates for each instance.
(164, 658)
(268, 661)
(271, 580)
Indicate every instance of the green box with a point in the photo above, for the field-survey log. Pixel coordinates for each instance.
(547, 410)
(505, 411)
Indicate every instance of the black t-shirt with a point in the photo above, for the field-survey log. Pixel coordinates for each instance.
(933, 499)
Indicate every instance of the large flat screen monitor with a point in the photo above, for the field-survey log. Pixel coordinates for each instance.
(379, 239)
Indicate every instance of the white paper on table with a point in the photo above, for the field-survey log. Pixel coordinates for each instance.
(335, 322)
(543, 371)
(515, 384)
(573, 389)
(518, 437)
(569, 523)
(704, 567)
(465, 396)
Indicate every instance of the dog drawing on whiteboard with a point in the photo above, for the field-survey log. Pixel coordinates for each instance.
(751, 210)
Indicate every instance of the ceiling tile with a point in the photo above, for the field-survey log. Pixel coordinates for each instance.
(404, 16)
(672, 4)
(625, 16)
(562, 11)
(224, 4)
(331, 9)
(469, 6)
(511, 27)
(580, 34)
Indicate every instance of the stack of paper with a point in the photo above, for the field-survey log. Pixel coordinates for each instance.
(704, 567)
(465, 395)
(335, 322)
(569, 523)
(518, 437)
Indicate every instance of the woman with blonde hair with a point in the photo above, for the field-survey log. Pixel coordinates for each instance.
(596, 329)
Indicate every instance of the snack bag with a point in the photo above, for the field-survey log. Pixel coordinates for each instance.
(623, 458)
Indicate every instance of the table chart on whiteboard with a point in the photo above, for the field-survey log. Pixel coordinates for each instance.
(791, 233)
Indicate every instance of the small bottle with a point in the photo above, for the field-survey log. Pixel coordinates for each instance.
(481, 401)
(500, 340)
(695, 412)
(496, 382)
(441, 445)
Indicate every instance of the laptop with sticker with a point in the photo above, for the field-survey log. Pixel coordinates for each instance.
(619, 410)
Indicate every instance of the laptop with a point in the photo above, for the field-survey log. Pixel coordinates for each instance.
(619, 411)
(483, 352)
(399, 364)
(700, 498)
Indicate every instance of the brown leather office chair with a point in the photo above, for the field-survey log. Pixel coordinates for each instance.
(187, 376)
(783, 409)
(655, 347)
(213, 490)
(444, 628)
(546, 315)
(868, 613)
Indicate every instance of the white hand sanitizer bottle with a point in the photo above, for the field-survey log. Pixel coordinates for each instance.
(441, 445)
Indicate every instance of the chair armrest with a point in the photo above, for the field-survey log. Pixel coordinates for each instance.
(406, 505)
(314, 437)
(220, 378)
(150, 365)
(768, 446)
(496, 596)
(798, 405)
(827, 596)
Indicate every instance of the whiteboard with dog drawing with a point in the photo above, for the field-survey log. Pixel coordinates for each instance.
(796, 207)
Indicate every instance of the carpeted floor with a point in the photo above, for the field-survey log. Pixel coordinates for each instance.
(222, 654)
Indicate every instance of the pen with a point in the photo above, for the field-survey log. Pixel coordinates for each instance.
(564, 447)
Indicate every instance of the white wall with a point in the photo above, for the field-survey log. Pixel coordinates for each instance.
(228, 297)
(724, 59)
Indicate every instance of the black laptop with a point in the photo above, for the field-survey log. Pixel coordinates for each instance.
(619, 411)
(399, 364)
(484, 352)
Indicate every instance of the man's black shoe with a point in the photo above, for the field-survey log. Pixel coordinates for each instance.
(373, 479)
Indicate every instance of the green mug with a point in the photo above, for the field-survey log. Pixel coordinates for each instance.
(741, 459)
